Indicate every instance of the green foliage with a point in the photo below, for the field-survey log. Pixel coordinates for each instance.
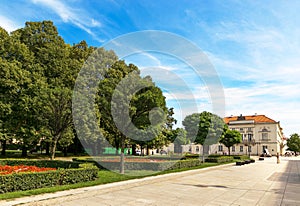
(230, 138)
(219, 159)
(204, 127)
(155, 166)
(28, 181)
(293, 143)
(38, 71)
(241, 157)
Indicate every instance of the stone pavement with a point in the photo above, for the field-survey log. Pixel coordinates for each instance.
(261, 183)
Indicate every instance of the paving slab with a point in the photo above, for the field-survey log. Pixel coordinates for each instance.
(260, 183)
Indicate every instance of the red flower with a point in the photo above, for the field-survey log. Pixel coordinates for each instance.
(6, 169)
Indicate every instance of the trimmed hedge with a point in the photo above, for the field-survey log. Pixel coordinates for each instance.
(41, 163)
(155, 166)
(219, 159)
(241, 157)
(28, 181)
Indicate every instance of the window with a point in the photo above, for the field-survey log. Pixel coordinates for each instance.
(241, 129)
(264, 136)
(241, 148)
(232, 128)
(249, 129)
(249, 149)
(250, 137)
(233, 148)
(220, 148)
(197, 149)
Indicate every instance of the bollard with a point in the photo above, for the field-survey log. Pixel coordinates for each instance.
(278, 160)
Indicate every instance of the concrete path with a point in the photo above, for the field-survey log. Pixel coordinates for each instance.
(261, 183)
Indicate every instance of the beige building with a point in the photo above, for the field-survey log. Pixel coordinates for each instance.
(260, 134)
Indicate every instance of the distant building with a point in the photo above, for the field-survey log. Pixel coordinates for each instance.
(260, 134)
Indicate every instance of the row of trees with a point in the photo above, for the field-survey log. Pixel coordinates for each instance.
(38, 72)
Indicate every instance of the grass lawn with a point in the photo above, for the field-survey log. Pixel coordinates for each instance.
(104, 177)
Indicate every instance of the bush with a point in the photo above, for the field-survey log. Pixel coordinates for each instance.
(28, 181)
(191, 156)
(241, 157)
(219, 159)
(155, 166)
(214, 155)
(41, 163)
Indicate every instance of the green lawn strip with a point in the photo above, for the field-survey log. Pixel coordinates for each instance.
(104, 177)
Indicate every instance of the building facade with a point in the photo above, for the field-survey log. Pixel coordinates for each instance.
(260, 134)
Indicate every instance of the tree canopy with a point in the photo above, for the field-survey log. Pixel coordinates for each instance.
(204, 127)
(293, 142)
(230, 138)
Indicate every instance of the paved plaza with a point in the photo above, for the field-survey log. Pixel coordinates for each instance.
(263, 183)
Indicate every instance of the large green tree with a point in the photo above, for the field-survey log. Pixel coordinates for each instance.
(19, 86)
(204, 128)
(131, 107)
(293, 142)
(230, 138)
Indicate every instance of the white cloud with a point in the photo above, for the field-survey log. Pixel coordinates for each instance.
(74, 16)
(8, 24)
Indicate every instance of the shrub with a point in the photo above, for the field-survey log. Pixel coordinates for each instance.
(191, 156)
(240, 157)
(28, 181)
(214, 155)
(219, 159)
(155, 166)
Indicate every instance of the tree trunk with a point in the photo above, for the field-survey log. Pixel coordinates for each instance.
(24, 150)
(203, 159)
(142, 150)
(148, 150)
(53, 148)
(228, 151)
(65, 151)
(122, 159)
(3, 151)
(47, 148)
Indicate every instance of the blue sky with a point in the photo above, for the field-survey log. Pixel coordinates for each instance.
(253, 45)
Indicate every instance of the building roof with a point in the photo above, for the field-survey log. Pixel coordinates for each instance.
(256, 118)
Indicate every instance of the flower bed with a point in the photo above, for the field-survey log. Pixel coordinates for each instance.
(6, 169)
(21, 181)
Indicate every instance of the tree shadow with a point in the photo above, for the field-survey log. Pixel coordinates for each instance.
(205, 186)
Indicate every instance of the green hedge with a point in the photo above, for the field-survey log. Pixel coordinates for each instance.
(241, 157)
(219, 159)
(41, 163)
(155, 166)
(28, 181)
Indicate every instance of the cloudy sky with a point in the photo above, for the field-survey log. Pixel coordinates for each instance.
(254, 46)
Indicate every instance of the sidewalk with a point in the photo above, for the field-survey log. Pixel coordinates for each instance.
(261, 183)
